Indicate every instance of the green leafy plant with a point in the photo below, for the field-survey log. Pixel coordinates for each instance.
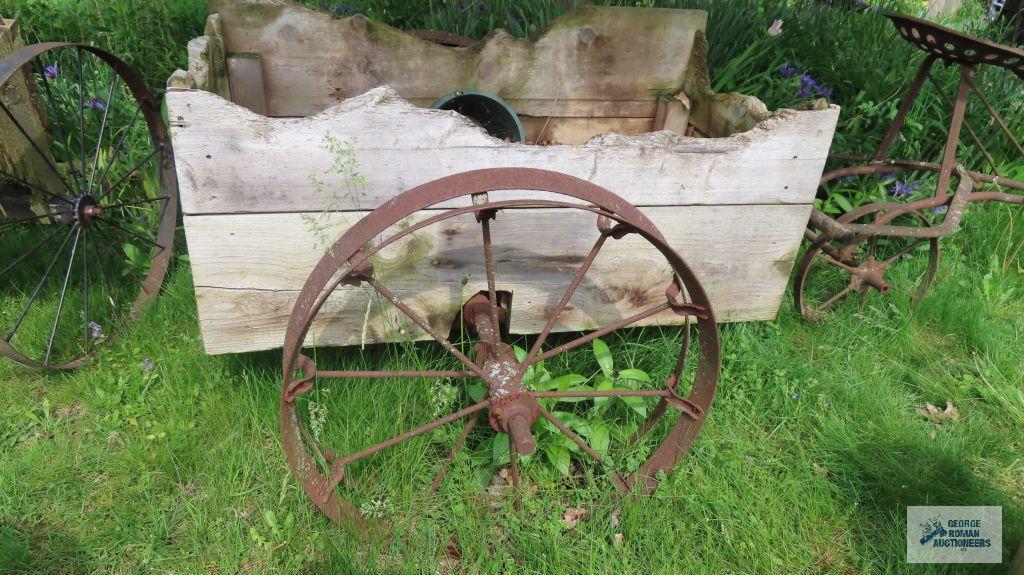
(600, 421)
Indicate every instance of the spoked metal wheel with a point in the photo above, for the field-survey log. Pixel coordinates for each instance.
(88, 201)
(357, 438)
(832, 271)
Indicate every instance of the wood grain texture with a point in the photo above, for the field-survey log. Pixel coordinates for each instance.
(17, 157)
(245, 76)
(313, 60)
(230, 160)
(245, 284)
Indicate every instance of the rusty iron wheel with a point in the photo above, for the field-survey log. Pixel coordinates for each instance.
(831, 271)
(340, 481)
(88, 201)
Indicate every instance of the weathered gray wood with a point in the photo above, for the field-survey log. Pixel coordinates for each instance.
(16, 153)
(207, 63)
(600, 54)
(245, 76)
(230, 160)
(554, 130)
(742, 254)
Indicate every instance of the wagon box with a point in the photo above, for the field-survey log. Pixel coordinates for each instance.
(290, 125)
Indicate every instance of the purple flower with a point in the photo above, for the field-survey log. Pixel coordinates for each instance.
(50, 72)
(96, 329)
(810, 87)
(776, 28)
(480, 9)
(940, 209)
(95, 104)
(795, 395)
(786, 71)
(903, 189)
(147, 364)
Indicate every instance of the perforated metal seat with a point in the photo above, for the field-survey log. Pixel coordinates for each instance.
(953, 46)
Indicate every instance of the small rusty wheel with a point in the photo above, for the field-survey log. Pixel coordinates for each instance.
(88, 201)
(831, 270)
(347, 459)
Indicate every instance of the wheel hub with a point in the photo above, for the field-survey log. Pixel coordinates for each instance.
(870, 274)
(87, 210)
(512, 410)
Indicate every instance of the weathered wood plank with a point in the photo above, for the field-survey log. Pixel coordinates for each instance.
(552, 130)
(245, 76)
(235, 321)
(232, 251)
(313, 60)
(742, 254)
(16, 154)
(230, 160)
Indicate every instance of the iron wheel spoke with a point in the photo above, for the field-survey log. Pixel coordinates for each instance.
(99, 135)
(415, 317)
(39, 286)
(57, 125)
(598, 333)
(119, 144)
(135, 202)
(832, 261)
(42, 155)
(577, 279)
(33, 249)
(906, 250)
(401, 373)
(492, 296)
(459, 443)
(85, 285)
(81, 112)
(616, 479)
(842, 293)
(5, 223)
(129, 232)
(35, 187)
(128, 174)
(63, 293)
(339, 464)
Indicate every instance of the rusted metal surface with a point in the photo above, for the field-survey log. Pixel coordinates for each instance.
(77, 207)
(847, 243)
(957, 47)
(511, 407)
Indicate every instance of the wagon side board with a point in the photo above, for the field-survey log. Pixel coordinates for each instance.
(249, 268)
(231, 160)
(262, 202)
(595, 70)
(590, 62)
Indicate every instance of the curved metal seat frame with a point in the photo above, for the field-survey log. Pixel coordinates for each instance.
(954, 48)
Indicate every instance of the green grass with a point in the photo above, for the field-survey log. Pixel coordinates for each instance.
(811, 453)
(113, 470)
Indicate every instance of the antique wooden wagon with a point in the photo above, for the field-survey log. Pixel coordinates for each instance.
(614, 112)
(292, 128)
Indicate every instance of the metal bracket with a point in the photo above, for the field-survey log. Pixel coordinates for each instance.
(302, 384)
(678, 304)
(610, 227)
(679, 402)
(360, 273)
